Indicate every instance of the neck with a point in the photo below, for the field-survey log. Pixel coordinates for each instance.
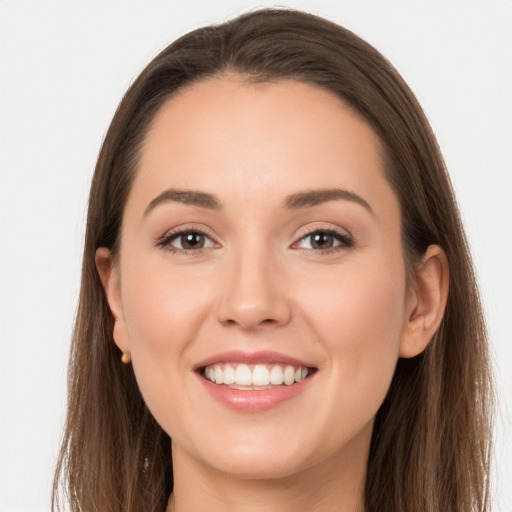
(333, 485)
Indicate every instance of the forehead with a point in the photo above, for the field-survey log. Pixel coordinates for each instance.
(258, 138)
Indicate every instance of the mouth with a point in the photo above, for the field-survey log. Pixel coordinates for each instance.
(262, 376)
(251, 382)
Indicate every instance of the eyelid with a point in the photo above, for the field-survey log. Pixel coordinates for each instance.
(342, 235)
(172, 234)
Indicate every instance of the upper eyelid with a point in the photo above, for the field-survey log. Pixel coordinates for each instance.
(193, 228)
(188, 228)
(165, 241)
(326, 229)
(344, 236)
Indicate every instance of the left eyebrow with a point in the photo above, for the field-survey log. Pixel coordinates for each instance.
(192, 197)
(311, 198)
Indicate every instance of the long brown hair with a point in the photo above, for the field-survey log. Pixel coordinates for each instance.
(430, 448)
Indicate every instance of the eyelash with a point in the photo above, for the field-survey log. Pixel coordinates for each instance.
(166, 241)
(345, 241)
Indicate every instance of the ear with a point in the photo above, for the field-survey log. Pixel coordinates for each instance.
(110, 278)
(426, 302)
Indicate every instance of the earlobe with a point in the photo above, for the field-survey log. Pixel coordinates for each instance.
(427, 302)
(110, 278)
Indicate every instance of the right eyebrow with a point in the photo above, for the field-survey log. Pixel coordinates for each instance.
(192, 197)
(311, 198)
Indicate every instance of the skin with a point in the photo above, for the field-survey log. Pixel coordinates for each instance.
(259, 284)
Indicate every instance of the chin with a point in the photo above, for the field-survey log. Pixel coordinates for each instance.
(261, 455)
(261, 466)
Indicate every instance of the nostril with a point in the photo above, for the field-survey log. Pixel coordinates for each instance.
(250, 323)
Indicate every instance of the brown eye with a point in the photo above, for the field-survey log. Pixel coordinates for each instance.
(323, 240)
(190, 240)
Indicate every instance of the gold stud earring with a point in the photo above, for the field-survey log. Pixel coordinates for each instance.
(126, 358)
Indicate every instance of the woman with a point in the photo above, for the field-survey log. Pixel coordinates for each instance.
(277, 286)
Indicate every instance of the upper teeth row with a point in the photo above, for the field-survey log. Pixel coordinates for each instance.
(255, 375)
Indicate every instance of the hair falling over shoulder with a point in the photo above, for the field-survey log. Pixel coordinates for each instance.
(431, 442)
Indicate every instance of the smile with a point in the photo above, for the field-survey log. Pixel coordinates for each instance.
(254, 382)
(255, 376)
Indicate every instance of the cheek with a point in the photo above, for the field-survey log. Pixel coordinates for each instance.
(359, 319)
(162, 308)
(359, 306)
(163, 312)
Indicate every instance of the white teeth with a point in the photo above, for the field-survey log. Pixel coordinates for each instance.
(276, 375)
(289, 375)
(243, 375)
(259, 375)
(229, 374)
(219, 375)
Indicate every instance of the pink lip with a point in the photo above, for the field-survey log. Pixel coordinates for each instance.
(262, 356)
(252, 400)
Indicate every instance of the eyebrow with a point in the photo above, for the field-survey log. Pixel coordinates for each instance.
(295, 201)
(192, 197)
(311, 198)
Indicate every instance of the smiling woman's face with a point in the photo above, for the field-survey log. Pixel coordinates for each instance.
(261, 243)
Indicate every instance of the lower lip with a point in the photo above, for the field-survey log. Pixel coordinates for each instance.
(253, 400)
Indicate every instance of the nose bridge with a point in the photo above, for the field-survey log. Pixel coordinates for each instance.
(254, 291)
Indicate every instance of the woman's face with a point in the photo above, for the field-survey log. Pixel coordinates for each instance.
(261, 243)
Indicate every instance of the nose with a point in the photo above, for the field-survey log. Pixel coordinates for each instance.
(253, 293)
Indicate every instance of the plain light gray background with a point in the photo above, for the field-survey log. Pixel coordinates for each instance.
(64, 67)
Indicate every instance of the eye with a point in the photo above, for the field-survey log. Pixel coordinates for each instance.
(186, 241)
(322, 240)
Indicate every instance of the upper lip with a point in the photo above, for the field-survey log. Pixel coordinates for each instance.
(259, 357)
